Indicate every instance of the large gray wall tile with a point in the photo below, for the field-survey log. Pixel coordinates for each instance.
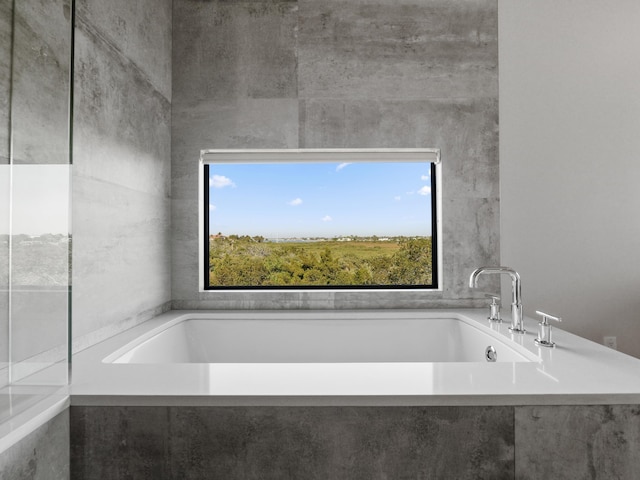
(121, 176)
(389, 49)
(595, 442)
(40, 82)
(292, 442)
(233, 123)
(140, 31)
(118, 443)
(234, 50)
(471, 231)
(41, 455)
(121, 123)
(121, 269)
(349, 443)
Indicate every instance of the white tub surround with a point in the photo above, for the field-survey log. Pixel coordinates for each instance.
(381, 357)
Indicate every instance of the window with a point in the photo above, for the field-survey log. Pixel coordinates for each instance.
(319, 219)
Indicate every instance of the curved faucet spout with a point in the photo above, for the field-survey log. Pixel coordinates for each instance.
(517, 323)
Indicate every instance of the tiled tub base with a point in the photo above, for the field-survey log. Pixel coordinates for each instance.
(502, 442)
(576, 442)
(292, 442)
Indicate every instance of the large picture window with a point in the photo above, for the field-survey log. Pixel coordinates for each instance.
(320, 219)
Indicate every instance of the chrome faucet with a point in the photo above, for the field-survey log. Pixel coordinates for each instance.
(517, 322)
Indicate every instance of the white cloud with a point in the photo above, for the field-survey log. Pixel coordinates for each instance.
(326, 218)
(341, 166)
(295, 202)
(426, 190)
(212, 207)
(220, 181)
(425, 177)
(397, 198)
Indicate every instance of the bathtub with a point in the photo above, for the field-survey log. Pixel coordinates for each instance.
(446, 338)
(382, 357)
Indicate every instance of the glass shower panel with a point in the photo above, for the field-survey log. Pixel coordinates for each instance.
(6, 29)
(40, 235)
(4, 272)
(39, 273)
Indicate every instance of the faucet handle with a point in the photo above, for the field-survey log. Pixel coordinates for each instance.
(494, 308)
(544, 329)
(546, 316)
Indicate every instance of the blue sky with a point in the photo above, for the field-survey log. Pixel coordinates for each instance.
(320, 199)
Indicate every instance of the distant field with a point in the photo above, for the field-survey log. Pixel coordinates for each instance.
(246, 261)
(361, 249)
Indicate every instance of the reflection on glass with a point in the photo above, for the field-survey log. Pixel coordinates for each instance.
(4, 273)
(40, 225)
(39, 262)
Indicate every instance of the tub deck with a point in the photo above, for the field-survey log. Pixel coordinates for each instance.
(577, 371)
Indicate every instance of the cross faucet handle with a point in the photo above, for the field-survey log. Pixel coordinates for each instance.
(544, 329)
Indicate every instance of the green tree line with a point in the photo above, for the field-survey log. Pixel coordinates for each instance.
(249, 261)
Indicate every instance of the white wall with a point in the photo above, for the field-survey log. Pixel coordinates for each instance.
(570, 161)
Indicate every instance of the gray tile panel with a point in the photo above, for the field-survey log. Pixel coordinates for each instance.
(40, 82)
(388, 49)
(292, 442)
(225, 50)
(582, 441)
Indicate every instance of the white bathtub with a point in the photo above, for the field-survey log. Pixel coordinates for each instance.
(379, 357)
(448, 338)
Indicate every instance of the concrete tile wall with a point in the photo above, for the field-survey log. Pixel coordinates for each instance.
(41, 455)
(337, 73)
(40, 82)
(121, 178)
(525, 442)
(597, 442)
(292, 442)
